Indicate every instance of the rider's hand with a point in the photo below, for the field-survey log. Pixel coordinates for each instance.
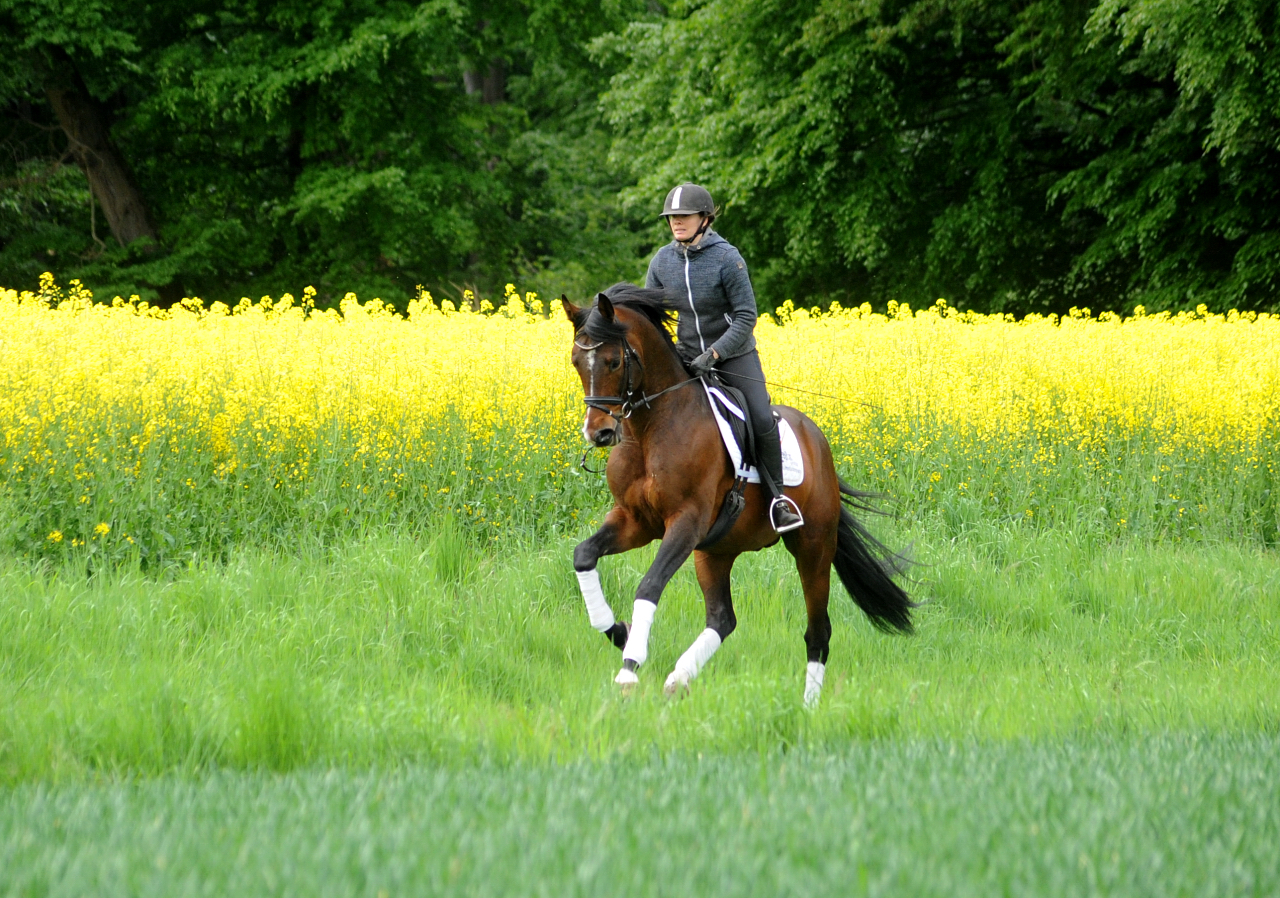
(703, 363)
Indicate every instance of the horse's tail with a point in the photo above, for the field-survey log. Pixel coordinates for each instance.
(866, 567)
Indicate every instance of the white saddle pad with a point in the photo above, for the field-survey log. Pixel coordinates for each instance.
(792, 460)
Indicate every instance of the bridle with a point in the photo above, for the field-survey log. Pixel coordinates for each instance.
(626, 402)
(633, 395)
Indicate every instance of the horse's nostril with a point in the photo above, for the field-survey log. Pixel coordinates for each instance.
(604, 436)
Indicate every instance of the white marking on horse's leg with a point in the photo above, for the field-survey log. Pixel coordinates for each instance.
(637, 649)
(693, 660)
(598, 609)
(813, 674)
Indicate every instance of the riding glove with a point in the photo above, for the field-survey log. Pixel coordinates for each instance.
(703, 363)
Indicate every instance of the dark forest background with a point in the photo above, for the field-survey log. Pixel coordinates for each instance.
(1008, 156)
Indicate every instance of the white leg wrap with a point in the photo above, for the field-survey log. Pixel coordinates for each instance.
(637, 649)
(813, 674)
(693, 660)
(598, 609)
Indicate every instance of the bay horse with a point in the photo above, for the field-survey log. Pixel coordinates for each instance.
(669, 472)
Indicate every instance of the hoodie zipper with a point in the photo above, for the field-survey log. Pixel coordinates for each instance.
(689, 287)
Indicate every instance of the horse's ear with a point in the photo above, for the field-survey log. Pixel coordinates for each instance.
(605, 307)
(570, 310)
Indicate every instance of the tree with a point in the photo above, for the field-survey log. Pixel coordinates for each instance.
(1018, 156)
(279, 144)
(1175, 120)
(58, 54)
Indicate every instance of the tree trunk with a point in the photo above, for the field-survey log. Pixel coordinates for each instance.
(495, 84)
(491, 85)
(86, 123)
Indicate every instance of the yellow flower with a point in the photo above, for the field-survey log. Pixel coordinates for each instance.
(346, 399)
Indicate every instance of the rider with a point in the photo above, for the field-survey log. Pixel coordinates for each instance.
(705, 277)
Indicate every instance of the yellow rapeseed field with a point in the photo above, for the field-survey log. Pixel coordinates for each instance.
(276, 392)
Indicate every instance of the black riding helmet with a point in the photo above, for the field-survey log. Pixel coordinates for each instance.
(688, 199)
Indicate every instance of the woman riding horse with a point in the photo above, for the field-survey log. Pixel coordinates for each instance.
(671, 476)
(706, 280)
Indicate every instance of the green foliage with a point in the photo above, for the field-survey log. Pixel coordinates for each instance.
(1181, 152)
(1008, 156)
(284, 144)
(1021, 157)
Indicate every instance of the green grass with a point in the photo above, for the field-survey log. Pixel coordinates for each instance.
(395, 649)
(434, 715)
(1193, 815)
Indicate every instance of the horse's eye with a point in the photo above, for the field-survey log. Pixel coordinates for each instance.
(613, 365)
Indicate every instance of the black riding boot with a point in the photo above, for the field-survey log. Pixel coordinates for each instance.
(784, 514)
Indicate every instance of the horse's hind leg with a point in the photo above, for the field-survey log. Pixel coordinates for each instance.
(813, 561)
(713, 577)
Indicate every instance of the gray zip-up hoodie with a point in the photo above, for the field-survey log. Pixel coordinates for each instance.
(708, 284)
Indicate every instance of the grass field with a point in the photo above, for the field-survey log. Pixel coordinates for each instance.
(394, 649)
(1191, 815)
(286, 607)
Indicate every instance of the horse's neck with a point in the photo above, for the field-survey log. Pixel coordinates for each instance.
(663, 370)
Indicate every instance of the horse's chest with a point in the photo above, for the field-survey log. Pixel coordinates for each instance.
(652, 489)
(657, 498)
(646, 495)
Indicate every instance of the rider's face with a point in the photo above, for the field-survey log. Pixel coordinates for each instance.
(683, 227)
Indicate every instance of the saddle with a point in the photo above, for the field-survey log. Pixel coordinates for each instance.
(731, 406)
(744, 436)
(729, 409)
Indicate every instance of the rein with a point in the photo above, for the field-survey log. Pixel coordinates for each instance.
(628, 402)
(774, 383)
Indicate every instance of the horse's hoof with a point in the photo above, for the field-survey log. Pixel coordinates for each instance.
(618, 633)
(675, 686)
(626, 680)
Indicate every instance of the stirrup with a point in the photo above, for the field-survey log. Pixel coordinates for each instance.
(794, 509)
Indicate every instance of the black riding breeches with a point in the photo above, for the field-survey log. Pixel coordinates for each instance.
(745, 373)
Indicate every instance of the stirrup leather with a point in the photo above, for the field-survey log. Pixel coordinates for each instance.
(786, 502)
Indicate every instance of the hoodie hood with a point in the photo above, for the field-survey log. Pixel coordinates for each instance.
(711, 238)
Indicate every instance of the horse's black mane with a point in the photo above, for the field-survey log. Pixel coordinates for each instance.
(650, 303)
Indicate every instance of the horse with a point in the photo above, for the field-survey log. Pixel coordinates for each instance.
(669, 473)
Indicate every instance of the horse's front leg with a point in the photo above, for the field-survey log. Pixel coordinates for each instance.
(681, 537)
(619, 533)
(713, 577)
